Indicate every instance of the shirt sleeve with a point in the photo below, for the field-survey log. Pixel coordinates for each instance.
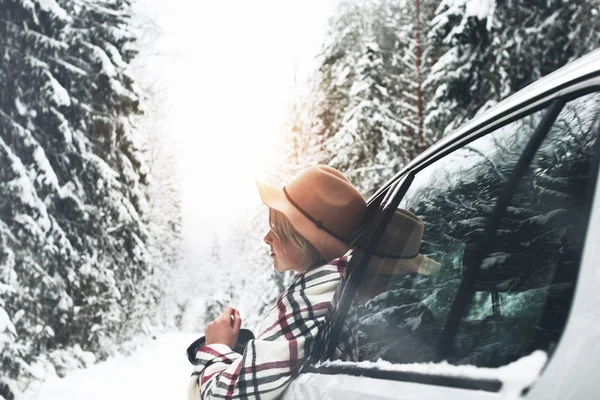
(276, 356)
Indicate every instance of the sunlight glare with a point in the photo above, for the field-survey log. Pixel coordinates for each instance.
(233, 70)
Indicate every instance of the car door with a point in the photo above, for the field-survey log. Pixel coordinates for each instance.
(506, 214)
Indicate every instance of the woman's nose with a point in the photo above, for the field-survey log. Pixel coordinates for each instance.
(268, 239)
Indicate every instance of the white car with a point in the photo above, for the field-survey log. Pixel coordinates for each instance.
(512, 216)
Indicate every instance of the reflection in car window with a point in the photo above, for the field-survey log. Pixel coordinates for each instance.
(401, 316)
(526, 282)
(525, 285)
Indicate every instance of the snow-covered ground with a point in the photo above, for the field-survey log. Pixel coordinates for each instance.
(159, 370)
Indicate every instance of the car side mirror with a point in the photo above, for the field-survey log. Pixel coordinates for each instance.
(244, 337)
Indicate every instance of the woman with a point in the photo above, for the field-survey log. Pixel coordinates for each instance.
(312, 221)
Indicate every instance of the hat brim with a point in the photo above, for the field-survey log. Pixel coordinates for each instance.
(328, 246)
(397, 266)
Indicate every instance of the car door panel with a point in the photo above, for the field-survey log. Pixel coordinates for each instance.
(314, 386)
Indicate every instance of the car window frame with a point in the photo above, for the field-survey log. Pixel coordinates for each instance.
(591, 85)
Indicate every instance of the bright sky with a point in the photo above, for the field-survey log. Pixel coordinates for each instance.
(230, 69)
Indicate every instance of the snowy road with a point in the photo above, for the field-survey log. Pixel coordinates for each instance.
(158, 370)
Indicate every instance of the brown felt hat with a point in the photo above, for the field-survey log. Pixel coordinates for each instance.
(397, 253)
(322, 205)
(398, 250)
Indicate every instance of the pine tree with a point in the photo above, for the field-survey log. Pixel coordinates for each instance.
(491, 50)
(368, 109)
(337, 62)
(355, 114)
(74, 229)
(411, 60)
(370, 132)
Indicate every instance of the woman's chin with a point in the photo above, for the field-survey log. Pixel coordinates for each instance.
(279, 268)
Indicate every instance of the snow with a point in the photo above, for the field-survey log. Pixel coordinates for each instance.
(70, 67)
(64, 127)
(104, 169)
(159, 370)
(107, 67)
(65, 303)
(52, 7)
(23, 187)
(7, 329)
(544, 218)
(114, 54)
(514, 377)
(494, 260)
(358, 87)
(45, 174)
(58, 94)
(482, 9)
(120, 90)
(21, 108)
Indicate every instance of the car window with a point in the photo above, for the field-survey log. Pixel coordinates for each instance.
(524, 289)
(401, 316)
(526, 282)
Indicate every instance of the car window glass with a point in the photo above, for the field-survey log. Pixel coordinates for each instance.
(401, 313)
(526, 283)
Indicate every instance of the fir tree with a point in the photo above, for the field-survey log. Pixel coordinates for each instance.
(369, 103)
(490, 50)
(74, 228)
(370, 132)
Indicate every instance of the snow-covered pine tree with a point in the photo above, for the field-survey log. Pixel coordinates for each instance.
(103, 41)
(337, 68)
(317, 116)
(377, 132)
(487, 50)
(410, 64)
(369, 148)
(441, 64)
(73, 214)
(39, 261)
(368, 109)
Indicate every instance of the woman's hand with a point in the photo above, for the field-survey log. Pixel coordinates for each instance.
(225, 328)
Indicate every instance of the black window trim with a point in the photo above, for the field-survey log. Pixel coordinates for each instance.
(555, 105)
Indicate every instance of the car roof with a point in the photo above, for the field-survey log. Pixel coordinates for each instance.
(578, 70)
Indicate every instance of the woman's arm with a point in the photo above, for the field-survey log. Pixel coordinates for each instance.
(271, 361)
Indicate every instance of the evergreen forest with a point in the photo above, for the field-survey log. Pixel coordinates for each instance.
(80, 255)
(89, 233)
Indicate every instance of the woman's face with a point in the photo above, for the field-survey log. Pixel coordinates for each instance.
(284, 259)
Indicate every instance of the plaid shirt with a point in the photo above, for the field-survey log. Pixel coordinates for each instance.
(287, 340)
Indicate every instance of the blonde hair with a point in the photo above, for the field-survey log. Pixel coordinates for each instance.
(285, 232)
